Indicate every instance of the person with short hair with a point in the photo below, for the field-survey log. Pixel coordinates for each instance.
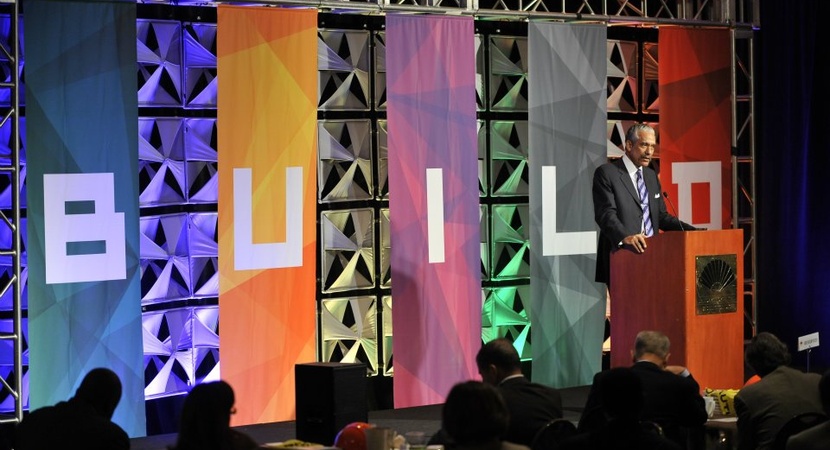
(83, 421)
(671, 395)
(781, 394)
(531, 405)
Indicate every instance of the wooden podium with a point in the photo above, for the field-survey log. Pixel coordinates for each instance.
(677, 287)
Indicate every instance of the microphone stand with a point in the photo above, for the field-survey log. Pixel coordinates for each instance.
(674, 210)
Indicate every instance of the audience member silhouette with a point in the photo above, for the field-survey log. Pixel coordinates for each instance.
(530, 405)
(206, 419)
(81, 422)
(620, 394)
(818, 437)
(671, 395)
(782, 393)
(475, 417)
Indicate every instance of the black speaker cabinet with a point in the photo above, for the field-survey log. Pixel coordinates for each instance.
(329, 396)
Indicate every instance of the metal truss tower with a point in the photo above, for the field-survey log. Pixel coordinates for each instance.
(11, 218)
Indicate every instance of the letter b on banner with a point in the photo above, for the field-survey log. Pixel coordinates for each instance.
(84, 236)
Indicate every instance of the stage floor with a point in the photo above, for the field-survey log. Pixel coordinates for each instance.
(404, 420)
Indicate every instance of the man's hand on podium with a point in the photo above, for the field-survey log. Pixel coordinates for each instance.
(636, 241)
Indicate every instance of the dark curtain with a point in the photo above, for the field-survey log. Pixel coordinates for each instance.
(793, 193)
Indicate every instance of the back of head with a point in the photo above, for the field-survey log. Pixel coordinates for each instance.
(621, 394)
(101, 389)
(206, 416)
(474, 413)
(766, 353)
(653, 342)
(500, 353)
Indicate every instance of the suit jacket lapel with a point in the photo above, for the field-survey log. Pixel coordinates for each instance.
(625, 179)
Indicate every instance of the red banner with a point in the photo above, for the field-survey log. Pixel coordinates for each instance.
(696, 124)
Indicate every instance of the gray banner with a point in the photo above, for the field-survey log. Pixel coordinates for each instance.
(567, 114)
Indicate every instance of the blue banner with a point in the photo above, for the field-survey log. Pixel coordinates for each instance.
(84, 293)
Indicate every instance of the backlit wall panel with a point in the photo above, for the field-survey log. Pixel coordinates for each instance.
(199, 68)
(344, 69)
(181, 349)
(346, 160)
(508, 73)
(159, 63)
(348, 257)
(349, 331)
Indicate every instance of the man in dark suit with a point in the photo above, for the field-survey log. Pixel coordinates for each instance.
(782, 393)
(531, 405)
(671, 395)
(621, 397)
(81, 422)
(621, 201)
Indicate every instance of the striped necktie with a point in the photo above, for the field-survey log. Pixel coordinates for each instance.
(648, 228)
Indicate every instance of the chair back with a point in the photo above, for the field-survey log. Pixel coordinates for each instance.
(796, 425)
(651, 427)
(552, 434)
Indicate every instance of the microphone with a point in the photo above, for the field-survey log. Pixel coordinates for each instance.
(674, 210)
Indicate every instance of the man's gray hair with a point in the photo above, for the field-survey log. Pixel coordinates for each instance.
(653, 342)
(633, 133)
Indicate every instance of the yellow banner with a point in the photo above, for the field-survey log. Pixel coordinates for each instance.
(267, 111)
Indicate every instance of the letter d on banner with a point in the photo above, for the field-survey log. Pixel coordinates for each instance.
(78, 211)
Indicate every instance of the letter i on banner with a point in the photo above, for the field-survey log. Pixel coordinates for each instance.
(435, 214)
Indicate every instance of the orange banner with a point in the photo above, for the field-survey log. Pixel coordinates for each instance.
(267, 112)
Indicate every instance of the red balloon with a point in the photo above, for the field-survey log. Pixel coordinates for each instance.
(352, 436)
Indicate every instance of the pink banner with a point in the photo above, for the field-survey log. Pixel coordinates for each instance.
(433, 174)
